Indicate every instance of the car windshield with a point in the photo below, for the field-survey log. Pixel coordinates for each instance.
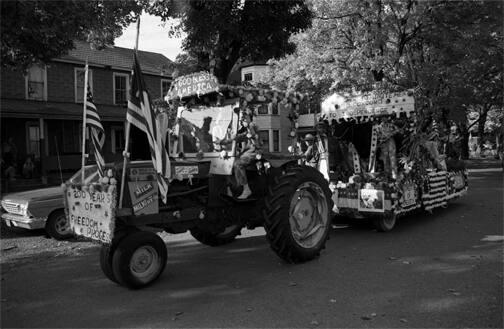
(90, 174)
(206, 129)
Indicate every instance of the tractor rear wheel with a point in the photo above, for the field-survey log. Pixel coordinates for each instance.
(297, 214)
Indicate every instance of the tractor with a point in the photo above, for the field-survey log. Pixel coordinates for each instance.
(290, 200)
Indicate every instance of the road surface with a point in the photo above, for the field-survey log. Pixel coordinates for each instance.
(440, 270)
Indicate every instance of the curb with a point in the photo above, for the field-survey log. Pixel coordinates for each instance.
(486, 170)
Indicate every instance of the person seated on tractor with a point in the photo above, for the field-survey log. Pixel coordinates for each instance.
(247, 137)
(311, 154)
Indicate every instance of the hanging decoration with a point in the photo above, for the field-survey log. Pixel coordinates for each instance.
(355, 158)
(436, 190)
(374, 145)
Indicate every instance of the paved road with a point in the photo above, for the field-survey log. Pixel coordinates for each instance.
(439, 270)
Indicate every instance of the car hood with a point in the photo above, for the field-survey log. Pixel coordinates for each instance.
(48, 193)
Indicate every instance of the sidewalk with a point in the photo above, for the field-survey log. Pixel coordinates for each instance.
(484, 165)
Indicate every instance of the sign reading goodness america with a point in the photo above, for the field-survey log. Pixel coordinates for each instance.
(196, 84)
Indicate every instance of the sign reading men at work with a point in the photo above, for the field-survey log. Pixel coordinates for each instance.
(195, 84)
(91, 211)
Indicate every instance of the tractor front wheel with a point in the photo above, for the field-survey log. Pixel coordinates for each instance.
(139, 259)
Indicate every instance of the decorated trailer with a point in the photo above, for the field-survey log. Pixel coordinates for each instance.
(383, 160)
(213, 156)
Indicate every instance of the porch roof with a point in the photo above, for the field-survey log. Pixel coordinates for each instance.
(18, 108)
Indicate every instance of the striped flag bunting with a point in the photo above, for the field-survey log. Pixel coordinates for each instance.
(141, 114)
(436, 194)
(97, 132)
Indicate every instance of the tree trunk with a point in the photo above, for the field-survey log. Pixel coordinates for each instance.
(481, 125)
(464, 144)
(226, 62)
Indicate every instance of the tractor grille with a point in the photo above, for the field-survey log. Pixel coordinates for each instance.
(12, 207)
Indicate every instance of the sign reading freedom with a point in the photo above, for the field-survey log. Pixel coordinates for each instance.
(91, 213)
(196, 84)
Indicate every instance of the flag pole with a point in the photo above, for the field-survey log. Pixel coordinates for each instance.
(127, 133)
(83, 160)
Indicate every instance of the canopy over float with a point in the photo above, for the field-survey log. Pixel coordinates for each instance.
(366, 106)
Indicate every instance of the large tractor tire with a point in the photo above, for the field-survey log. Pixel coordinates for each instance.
(297, 214)
(139, 259)
(57, 225)
(216, 239)
(106, 256)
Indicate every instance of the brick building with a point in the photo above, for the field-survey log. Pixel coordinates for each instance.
(41, 109)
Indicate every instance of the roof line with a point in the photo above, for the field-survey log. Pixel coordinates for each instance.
(118, 68)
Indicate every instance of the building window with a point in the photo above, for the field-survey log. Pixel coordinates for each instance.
(117, 139)
(121, 87)
(36, 83)
(276, 140)
(248, 77)
(165, 86)
(264, 139)
(270, 109)
(274, 109)
(79, 83)
(262, 109)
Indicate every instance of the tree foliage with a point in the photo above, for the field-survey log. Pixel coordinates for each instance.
(219, 33)
(36, 31)
(451, 52)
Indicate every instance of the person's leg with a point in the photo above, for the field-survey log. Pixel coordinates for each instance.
(241, 173)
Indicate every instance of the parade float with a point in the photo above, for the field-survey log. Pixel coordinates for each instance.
(384, 160)
(123, 209)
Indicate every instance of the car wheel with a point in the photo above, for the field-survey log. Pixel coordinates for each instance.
(386, 222)
(58, 226)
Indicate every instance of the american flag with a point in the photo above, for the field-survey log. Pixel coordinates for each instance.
(141, 114)
(97, 131)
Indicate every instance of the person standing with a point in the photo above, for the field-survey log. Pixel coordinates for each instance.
(248, 138)
(311, 154)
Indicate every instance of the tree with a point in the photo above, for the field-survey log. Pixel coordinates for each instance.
(450, 52)
(186, 64)
(219, 33)
(37, 31)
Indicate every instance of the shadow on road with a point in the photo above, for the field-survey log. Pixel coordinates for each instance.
(242, 284)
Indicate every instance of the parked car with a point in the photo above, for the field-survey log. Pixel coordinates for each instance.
(41, 208)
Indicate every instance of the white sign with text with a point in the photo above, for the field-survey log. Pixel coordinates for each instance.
(91, 212)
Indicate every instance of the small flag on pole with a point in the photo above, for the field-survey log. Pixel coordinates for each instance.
(141, 114)
(97, 131)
